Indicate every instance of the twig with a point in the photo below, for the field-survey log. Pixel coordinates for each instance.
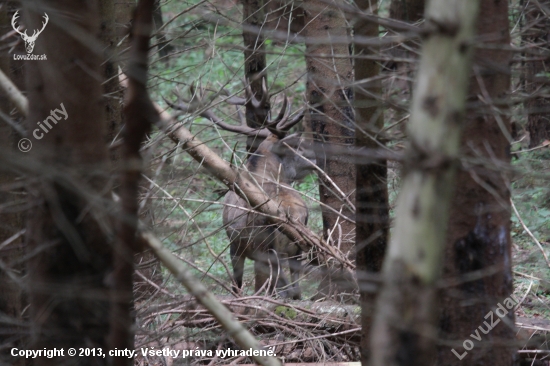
(530, 233)
(234, 329)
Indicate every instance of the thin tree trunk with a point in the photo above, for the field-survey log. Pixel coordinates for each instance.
(113, 95)
(68, 229)
(402, 72)
(478, 239)
(407, 10)
(123, 20)
(140, 115)
(371, 199)
(255, 66)
(164, 48)
(536, 71)
(330, 119)
(404, 329)
(112, 92)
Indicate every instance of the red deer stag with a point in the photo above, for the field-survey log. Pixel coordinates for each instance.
(277, 162)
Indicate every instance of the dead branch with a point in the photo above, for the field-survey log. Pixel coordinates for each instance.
(530, 233)
(18, 99)
(241, 335)
(315, 316)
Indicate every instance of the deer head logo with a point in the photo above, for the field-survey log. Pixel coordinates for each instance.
(29, 40)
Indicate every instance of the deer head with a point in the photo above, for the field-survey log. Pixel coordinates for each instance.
(291, 157)
(29, 40)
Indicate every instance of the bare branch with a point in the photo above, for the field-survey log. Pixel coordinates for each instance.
(14, 94)
(241, 335)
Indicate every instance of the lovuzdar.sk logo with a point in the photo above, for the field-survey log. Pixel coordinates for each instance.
(29, 40)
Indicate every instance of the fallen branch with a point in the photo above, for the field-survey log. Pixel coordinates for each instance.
(311, 317)
(234, 329)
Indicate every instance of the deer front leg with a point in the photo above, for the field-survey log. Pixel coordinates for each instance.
(268, 269)
(237, 261)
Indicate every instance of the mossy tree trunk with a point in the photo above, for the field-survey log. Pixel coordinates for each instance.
(478, 239)
(405, 324)
(69, 227)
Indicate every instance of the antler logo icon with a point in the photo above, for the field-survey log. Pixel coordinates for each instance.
(29, 40)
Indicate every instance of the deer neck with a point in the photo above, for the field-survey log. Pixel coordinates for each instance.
(267, 168)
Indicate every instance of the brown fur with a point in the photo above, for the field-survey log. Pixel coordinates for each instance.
(274, 167)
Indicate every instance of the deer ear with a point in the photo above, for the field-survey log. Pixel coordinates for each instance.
(280, 148)
(291, 140)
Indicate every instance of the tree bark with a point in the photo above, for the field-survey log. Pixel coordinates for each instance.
(371, 199)
(330, 119)
(254, 15)
(140, 115)
(536, 72)
(112, 92)
(478, 239)
(68, 229)
(123, 20)
(404, 329)
(407, 10)
(163, 45)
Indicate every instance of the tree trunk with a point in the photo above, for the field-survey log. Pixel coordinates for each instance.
(112, 92)
(371, 199)
(402, 72)
(478, 239)
(139, 115)
(254, 66)
(123, 20)
(68, 228)
(407, 10)
(536, 72)
(164, 48)
(330, 119)
(404, 329)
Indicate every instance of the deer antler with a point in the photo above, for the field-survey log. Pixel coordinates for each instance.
(279, 126)
(200, 107)
(252, 101)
